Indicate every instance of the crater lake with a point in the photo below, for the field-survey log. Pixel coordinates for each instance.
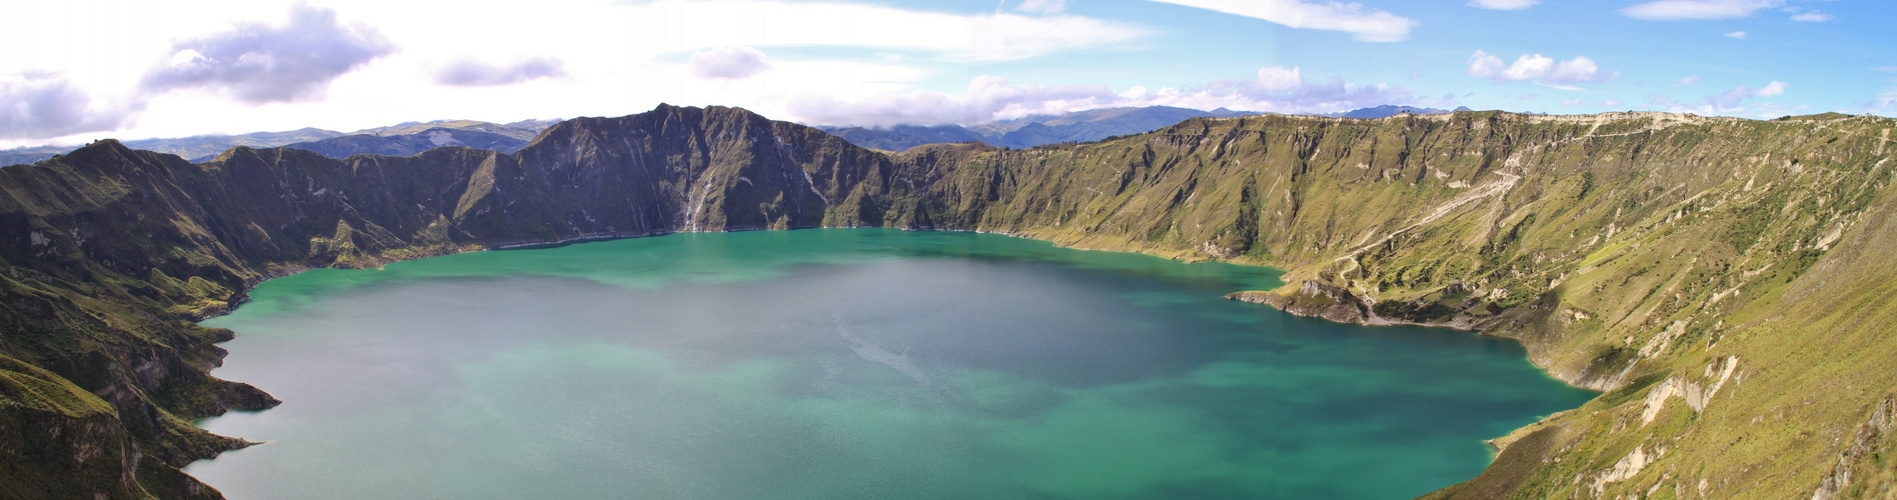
(845, 364)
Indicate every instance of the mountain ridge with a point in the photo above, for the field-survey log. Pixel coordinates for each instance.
(1518, 224)
(407, 144)
(1029, 131)
(395, 140)
(1078, 126)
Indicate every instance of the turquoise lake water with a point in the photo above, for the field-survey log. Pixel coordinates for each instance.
(845, 364)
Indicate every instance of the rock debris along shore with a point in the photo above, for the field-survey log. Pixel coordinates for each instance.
(1627, 251)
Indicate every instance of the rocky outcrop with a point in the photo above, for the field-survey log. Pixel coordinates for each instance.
(1862, 458)
(1313, 299)
(59, 441)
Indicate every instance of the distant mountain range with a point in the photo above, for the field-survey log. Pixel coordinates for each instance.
(1386, 111)
(1079, 126)
(188, 147)
(1030, 131)
(523, 130)
(415, 137)
(409, 144)
(398, 140)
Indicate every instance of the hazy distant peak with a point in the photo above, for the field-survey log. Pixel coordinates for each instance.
(404, 140)
(1388, 110)
(1033, 130)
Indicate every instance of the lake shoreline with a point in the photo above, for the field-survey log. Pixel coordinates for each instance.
(706, 259)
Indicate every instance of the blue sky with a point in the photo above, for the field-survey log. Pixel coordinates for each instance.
(1682, 65)
(84, 69)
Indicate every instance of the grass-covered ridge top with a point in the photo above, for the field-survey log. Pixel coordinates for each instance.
(1713, 275)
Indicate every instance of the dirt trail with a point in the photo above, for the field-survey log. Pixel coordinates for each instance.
(1488, 189)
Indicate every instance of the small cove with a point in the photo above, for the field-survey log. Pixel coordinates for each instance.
(845, 363)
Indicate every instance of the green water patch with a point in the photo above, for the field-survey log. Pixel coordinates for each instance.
(736, 257)
(862, 363)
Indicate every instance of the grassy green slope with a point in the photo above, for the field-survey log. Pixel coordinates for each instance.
(1786, 396)
(1666, 259)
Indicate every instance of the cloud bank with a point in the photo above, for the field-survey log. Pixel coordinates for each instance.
(1042, 6)
(1811, 17)
(998, 36)
(260, 64)
(1729, 102)
(45, 105)
(1503, 4)
(728, 63)
(1884, 104)
(1687, 10)
(1538, 69)
(1363, 23)
(473, 73)
(988, 98)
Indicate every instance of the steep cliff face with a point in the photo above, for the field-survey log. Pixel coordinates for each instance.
(1713, 275)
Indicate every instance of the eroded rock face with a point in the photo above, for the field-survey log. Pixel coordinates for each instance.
(45, 454)
(1861, 460)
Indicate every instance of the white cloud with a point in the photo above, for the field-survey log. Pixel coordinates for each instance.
(728, 62)
(1737, 34)
(1571, 103)
(1682, 10)
(1278, 79)
(1611, 103)
(1363, 23)
(1731, 102)
(1811, 17)
(1688, 80)
(473, 73)
(1885, 104)
(260, 64)
(671, 26)
(1280, 90)
(618, 57)
(1504, 4)
(43, 105)
(1042, 6)
(1538, 69)
(988, 98)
